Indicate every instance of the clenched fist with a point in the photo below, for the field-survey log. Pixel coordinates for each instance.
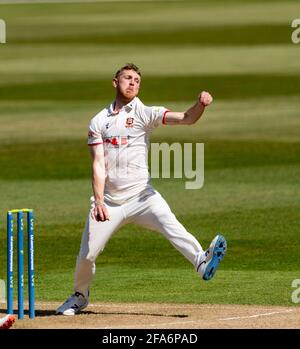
(205, 98)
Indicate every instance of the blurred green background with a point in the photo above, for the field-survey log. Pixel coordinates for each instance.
(55, 75)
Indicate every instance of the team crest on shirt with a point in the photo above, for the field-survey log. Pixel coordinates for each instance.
(129, 122)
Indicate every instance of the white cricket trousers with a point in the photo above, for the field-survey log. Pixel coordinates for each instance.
(149, 210)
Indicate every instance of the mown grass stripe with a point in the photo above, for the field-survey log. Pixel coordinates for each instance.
(249, 233)
(29, 63)
(202, 35)
(158, 88)
(71, 160)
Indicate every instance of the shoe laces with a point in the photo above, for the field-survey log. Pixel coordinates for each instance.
(74, 295)
(78, 294)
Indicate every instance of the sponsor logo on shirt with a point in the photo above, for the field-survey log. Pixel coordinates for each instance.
(116, 141)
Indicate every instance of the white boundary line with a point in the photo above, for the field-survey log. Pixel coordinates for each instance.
(256, 315)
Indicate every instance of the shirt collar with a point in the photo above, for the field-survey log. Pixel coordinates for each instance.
(128, 107)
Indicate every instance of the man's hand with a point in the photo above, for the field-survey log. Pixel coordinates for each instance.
(205, 98)
(100, 213)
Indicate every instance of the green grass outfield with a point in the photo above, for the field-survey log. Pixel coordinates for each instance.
(55, 72)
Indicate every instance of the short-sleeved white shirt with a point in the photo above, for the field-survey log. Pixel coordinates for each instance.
(125, 137)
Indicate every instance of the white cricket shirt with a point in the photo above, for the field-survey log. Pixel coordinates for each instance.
(125, 137)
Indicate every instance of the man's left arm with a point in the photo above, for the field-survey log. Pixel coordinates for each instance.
(190, 116)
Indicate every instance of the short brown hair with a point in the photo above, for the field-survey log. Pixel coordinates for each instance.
(128, 66)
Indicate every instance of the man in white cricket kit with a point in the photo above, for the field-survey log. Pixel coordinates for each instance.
(118, 139)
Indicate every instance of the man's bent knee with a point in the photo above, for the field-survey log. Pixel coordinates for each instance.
(92, 255)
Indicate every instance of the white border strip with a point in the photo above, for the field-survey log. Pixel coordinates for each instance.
(33, 2)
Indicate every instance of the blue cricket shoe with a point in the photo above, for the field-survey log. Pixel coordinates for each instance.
(212, 257)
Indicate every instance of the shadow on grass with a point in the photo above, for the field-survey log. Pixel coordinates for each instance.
(46, 312)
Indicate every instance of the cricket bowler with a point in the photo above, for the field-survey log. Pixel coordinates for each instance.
(118, 140)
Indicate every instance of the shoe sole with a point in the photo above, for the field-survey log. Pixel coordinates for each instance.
(218, 253)
(71, 312)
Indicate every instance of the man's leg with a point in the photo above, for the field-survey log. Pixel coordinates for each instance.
(154, 213)
(94, 238)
